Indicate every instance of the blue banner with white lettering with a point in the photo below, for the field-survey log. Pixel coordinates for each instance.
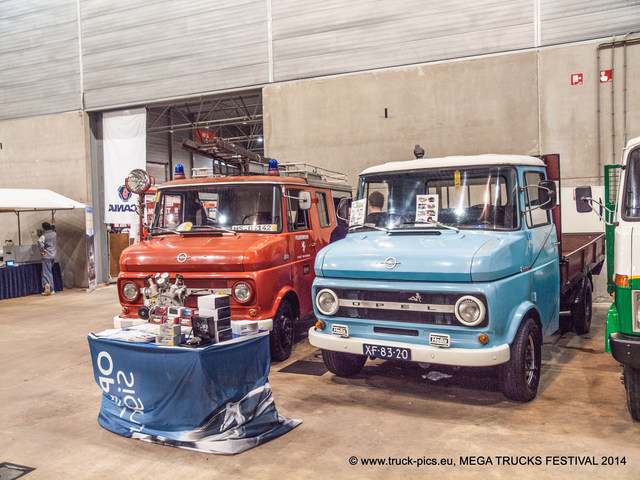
(215, 399)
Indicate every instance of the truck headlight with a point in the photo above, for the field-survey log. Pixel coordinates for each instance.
(470, 311)
(242, 292)
(327, 302)
(130, 291)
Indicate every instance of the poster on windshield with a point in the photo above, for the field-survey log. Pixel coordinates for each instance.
(358, 209)
(426, 208)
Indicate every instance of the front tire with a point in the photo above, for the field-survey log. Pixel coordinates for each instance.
(520, 376)
(281, 337)
(632, 386)
(343, 364)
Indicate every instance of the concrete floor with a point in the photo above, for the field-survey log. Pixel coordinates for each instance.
(50, 403)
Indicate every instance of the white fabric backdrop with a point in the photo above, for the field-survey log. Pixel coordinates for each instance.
(125, 148)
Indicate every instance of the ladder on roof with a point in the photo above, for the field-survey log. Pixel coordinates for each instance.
(230, 154)
(250, 163)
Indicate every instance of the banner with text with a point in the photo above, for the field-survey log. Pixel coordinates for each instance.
(125, 148)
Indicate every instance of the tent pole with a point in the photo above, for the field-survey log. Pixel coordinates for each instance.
(19, 235)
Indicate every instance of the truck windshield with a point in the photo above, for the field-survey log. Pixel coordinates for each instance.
(469, 197)
(631, 196)
(210, 208)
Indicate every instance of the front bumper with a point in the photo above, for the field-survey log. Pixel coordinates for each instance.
(463, 357)
(625, 348)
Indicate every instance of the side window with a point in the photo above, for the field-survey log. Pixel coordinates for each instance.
(297, 219)
(323, 210)
(535, 215)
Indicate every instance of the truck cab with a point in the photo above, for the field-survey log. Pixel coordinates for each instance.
(252, 237)
(458, 266)
(621, 212)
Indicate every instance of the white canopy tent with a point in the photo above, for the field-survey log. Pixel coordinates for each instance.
(34, 199)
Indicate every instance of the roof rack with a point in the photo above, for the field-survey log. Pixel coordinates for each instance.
(312, 172)
(237, 160)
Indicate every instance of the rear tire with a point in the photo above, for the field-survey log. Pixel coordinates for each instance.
(281, 337)
(581, 313)
(520, 376)
(632, 386)
(343, 364)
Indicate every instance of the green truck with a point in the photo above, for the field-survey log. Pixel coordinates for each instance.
(621, 212)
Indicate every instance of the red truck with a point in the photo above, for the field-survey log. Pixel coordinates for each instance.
(254, 237)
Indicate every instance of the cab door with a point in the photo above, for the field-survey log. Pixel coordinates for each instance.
(303, 248)
(542, 252)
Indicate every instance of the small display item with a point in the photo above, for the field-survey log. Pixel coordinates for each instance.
(213, 301)
(224, 335)
(157, 319)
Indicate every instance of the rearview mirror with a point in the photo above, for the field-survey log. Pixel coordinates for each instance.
(304, 200)
(343, 210)
(582, 195)
(547, 194)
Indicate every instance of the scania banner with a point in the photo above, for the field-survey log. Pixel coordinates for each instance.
(215, 399)
(125, 148)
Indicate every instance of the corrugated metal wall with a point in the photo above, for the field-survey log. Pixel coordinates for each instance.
(39, 57)
(135, 52)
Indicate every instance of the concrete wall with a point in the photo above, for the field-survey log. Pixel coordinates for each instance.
(49, 152)
(521, 103)
(513, 103)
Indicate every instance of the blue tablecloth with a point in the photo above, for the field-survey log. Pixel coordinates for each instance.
(215, 399)
(26, 280)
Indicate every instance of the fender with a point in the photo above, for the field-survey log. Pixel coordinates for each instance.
(284, 291)
(516, 316)
(613, 325)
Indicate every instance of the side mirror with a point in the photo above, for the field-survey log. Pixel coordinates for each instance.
(547, 194)
(342, 212)
(304, 200)
(582, 195)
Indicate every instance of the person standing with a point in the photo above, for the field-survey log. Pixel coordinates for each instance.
(47, 243)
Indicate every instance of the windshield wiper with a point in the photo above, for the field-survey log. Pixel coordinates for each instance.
(367, 225)
(434, 223)
(199, 228)
(153, 230)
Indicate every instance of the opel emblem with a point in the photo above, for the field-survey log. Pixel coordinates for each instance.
(390, 263)
(182, 257)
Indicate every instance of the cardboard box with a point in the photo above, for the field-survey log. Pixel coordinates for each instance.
(217, 313)
(244, 327)
(213, 301)
(224, 335)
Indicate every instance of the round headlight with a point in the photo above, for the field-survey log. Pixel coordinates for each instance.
(470, 311)
(242, 292)
(327, 302)
(138, 181)
(130, 291)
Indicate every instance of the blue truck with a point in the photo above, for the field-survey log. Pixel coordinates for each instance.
(457, 261)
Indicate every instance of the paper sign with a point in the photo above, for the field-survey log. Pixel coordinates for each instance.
(358, 208)
(426, 208)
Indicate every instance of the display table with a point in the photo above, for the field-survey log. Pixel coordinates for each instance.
(215, 399)
(24, 280)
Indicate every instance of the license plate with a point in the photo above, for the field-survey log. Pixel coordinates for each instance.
(392, 353)
(439, 340)
(340, 330)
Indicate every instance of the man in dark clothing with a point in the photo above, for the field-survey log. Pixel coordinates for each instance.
(47, 243)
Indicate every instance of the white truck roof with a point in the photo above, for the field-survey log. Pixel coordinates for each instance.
(456, 161)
